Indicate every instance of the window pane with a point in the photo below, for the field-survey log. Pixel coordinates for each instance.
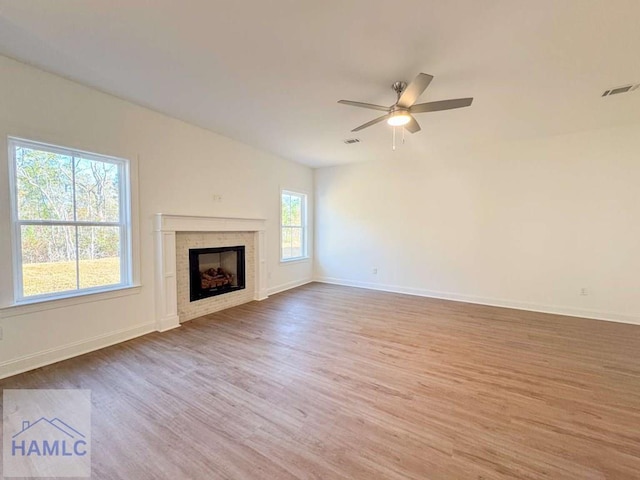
(296, 242)
(296, 211)
(286, 243)
(286, 209)
(97, 191)
(44, 185)
(48, 259)
(99, 250)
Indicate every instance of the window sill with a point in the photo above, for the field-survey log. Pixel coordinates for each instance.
(33, 306)
(295, 260)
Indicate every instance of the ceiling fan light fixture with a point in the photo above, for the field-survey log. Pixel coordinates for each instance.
(399, 119)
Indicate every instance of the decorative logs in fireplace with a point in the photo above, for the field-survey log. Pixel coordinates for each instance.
(215, 277)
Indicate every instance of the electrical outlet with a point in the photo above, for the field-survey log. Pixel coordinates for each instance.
(584, 292)
(374, 270)
(216, 197)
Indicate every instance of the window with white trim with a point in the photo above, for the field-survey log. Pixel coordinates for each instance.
(293, 226)
(71, 221)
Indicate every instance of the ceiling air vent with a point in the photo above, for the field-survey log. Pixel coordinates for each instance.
(618, 90)
(349, 141)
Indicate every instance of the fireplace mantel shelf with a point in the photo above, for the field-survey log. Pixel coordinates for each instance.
(165, 228)
(189, 223)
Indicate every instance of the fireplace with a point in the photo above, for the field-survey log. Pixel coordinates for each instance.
(175, 235)
(214, 271)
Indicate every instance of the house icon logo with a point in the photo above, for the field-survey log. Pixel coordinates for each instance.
(46, 433)
(48, 437)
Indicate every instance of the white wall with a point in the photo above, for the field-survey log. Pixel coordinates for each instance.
(179, 166)
(524, 224)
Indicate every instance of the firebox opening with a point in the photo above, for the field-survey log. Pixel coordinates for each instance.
(214, 271)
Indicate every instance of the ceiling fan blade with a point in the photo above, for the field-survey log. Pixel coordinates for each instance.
(412, 126)
(364, 105)
(372, 122)
(414, 90)
(441, 105)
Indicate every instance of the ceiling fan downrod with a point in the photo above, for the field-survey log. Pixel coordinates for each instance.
(399, 87)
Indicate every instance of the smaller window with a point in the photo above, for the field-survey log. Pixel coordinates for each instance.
(293, 226)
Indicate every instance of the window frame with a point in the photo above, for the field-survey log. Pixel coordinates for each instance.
(124, 224)
(303, 228)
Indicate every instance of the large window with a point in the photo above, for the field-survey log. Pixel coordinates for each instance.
(293, 226)
(71, 221)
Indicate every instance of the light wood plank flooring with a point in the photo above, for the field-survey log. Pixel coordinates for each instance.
(328, 382)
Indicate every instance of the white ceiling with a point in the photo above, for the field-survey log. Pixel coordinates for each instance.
(269, 73)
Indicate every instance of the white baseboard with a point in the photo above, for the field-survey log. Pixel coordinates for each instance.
(288, 286)
(167, 323)
(494, 302)
(54, 355)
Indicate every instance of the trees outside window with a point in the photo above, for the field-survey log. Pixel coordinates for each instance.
(71, 220)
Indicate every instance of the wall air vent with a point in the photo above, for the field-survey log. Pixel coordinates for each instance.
(349, 141)
(622, 89)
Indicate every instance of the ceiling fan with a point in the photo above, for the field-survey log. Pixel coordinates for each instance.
(400, 114)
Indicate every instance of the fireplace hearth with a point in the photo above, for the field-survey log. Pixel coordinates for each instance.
(215, 271)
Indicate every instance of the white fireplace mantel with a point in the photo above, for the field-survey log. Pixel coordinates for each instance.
(166, 287)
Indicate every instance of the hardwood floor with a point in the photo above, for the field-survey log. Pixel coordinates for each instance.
(328, 382)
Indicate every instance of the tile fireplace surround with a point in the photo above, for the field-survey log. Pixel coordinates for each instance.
(166, 287)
